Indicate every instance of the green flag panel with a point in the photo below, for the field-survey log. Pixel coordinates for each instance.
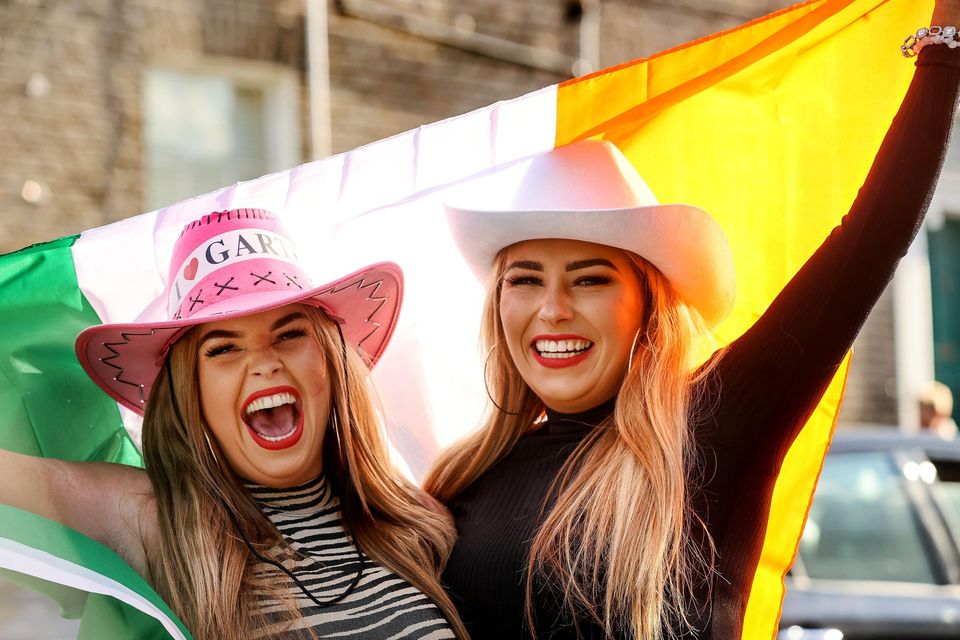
(73, 555)
(50, 406)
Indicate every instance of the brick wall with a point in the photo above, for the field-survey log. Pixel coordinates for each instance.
(384, 80)
(871, 396)
(70, 104)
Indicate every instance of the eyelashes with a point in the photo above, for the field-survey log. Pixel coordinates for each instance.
(218, 350)
(229, 347)
(593, 280)
(519, 279)
(292, 334)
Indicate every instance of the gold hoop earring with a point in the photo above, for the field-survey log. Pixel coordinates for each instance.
(486, 363)
(633, 348)
(206, 436)
(335, 426)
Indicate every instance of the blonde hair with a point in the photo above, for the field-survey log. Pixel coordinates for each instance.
(937, 397)
(207, 577)
(634, 473)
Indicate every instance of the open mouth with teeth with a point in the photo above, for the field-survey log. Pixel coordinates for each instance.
(561, 351)
(274, 417)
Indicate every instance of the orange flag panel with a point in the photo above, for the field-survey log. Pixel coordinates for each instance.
(770, 127)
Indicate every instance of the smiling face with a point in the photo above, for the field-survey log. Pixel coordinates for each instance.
(265, 394)
(570, 311)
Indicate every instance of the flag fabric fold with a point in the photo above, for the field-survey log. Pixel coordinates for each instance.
(84, 578)
(770, 127)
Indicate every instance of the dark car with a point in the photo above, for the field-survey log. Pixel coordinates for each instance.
(879, 557)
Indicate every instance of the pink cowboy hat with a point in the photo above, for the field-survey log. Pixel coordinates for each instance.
(228, 264)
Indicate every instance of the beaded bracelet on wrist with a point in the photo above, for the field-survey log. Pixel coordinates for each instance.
(926, 36)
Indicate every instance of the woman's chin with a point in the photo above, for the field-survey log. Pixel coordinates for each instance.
(280, 468)
(563, 401)
(278, 477)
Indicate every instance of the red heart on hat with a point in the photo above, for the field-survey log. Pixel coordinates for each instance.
(190, 271)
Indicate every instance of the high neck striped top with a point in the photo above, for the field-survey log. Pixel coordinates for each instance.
(383, 605)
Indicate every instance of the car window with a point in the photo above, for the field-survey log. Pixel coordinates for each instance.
(862, 525)
(947, 492)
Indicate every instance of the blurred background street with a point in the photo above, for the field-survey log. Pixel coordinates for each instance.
(27, 616)
(110, 108)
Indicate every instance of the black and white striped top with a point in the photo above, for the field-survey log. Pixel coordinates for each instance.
(382, 606)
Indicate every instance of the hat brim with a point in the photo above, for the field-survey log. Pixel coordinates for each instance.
(124, 359)
(684, 242)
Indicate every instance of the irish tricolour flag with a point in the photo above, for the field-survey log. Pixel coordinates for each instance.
(770, 127)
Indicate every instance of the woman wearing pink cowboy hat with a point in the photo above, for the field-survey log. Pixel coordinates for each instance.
(613, 492)
(268, 506)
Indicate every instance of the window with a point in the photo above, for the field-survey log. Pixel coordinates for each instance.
(862, 525)
(210, 126)
(947, 494)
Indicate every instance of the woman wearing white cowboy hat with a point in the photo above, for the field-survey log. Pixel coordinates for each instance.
(614, 490)
(268, 507)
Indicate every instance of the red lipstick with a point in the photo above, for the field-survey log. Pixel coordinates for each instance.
(269, 427)
(561, 362)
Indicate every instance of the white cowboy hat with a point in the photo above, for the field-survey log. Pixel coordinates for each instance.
(589, 191)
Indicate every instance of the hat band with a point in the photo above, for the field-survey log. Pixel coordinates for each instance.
(219, 255)
(268, 281)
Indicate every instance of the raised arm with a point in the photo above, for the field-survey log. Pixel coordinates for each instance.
(773, 376)
(111, 503)
(946, 13)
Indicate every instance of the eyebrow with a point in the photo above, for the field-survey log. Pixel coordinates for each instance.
(223, 333)
(287, 319)
(217, 333)
(593, 262)
(530, 265)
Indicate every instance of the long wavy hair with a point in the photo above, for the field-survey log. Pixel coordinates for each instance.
(621, 544)
(203, 569)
